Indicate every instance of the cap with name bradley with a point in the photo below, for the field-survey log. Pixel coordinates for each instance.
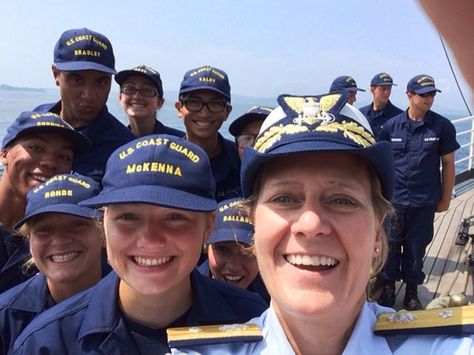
(255, 113)
(205, 78)
(84, 49)
(161, 170)
(232, 223)
(29, 123)
(143, 71)
(344, 82)
(382, 79)
(61, 194)
(421, 84)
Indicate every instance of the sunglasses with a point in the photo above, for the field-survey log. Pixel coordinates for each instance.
(428, 94)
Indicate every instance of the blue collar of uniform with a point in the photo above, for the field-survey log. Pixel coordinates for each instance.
(32, 296)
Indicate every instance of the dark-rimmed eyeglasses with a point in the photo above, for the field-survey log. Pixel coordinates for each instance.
(132, 90)
(428, 94)
(195, 105)
(245, 140)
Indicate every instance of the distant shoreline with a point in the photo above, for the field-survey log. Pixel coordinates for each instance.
(15, 88)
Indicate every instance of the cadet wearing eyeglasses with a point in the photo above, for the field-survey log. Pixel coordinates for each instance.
(420, 139)
(141, 96)
(204, 105)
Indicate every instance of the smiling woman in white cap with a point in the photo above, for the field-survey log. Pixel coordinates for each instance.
(158, 200)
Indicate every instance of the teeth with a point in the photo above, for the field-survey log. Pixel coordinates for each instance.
(140, 260)
(233, 277)
(39, 178)
(203, 123)
(64, 257)
(311, 260)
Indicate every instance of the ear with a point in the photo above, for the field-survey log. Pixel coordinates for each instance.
(378, 237)
(56, 73)
(229, 110)
(179, 108)
(210, 218)
(3, 156)
(160, 103)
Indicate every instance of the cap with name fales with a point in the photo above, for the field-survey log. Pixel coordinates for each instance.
(344, 82)
(30, 123)
(143, 71)
(255, 113)
(61, 194)
(205, 78)
(421, 84)
(320, 123)
(160, 170)
(232, 223)
(382, 79)
(84, 49)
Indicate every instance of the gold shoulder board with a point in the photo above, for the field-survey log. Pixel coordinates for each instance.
(444, 321)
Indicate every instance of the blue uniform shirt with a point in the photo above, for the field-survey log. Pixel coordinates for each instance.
(226, 170)
(378, 118)
(160, 128)
(417, 148)
(106, 134)
(91, 322)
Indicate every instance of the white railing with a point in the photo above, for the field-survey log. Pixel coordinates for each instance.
(465, 136)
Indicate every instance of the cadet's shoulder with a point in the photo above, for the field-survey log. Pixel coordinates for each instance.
(366, 109)
(8, 297)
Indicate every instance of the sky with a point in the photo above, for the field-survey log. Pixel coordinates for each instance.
(266, 47)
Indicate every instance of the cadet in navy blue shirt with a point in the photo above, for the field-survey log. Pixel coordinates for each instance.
(204, 104)
(381, 109)
(141, 96)
(421, 139)
(83, 66)
(230, 249)
(35, 148)
(66, 246)
(158, 194)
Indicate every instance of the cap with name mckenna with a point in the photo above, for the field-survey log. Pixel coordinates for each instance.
(29, 123)
(143, 71)
(382, 79)
(61, 194)
(161, 170)
(421, 84)
(84, 49)
(344, 82)
(205, 78)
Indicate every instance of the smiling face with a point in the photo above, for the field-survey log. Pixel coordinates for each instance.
(316, 233)
(31, 160)
(232, 263)
(66, 248)
(153, 249)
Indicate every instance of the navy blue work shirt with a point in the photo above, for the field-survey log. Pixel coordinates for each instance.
(256, 285)
(92, 322)
(417, 149)
(377, 118)
(160, 128)
(106, 134)
(226, 170)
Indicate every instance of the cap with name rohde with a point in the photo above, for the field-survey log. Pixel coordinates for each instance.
(255, 113)
(84, 49)
(317, 124)
(382, 79)
(344, 82)
(205, 78)
(143, 71)
(161, 170)
(421, 84)
(61, 194)
(29, 123)
(232, 223)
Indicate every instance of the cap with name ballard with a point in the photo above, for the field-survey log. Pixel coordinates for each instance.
(161, 170)
(421, 84)
(29, 123)
(84, 49)
(344, 82)
(143, 71)
(255, 113)
(321, 123)
(382, 79)
(206, 78)
(61, 194)
(232, 223)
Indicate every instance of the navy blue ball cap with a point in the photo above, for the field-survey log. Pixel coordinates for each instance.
(232, 223)
(205, 78)
(29, 123)
(143, 71)
(61, 194)
(421, 84)
(84, 49)
(161, 170)
(317, 124)
(255, 113)
(382, 79)
(344, 82)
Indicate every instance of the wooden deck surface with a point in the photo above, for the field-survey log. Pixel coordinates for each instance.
(443, 257)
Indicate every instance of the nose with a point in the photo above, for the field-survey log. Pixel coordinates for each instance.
(49, 161)
(88, 92)
(150, 234)
(311, 223)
